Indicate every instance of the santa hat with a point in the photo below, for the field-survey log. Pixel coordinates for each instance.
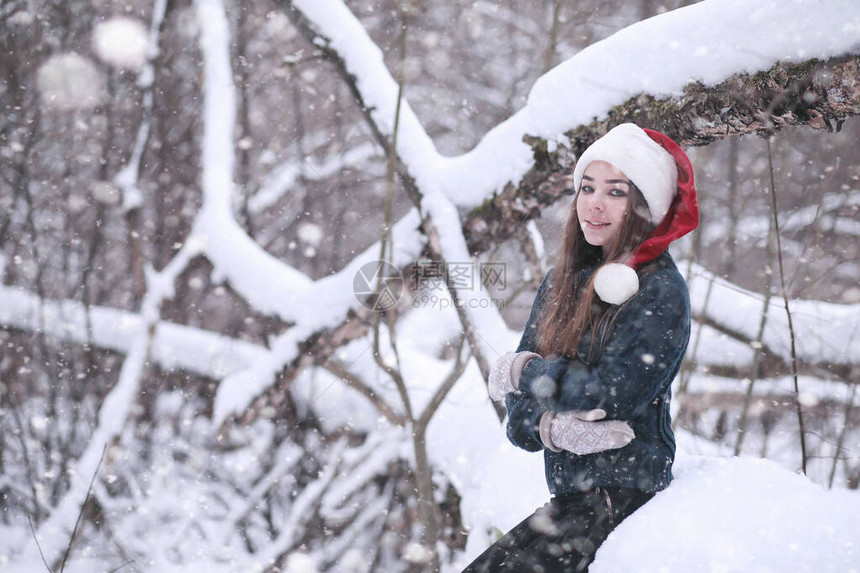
(663, 173)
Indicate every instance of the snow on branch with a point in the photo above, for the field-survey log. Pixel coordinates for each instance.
(128, 177)
(54, 533)
(303, 509)
(265, 282)
(174, 346)
(834, 214)
(826, 332)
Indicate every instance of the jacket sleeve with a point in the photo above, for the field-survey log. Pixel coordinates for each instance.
(641, 354)
(524, 411)
(524, 414)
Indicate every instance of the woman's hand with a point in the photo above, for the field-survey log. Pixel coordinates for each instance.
(580, 432)
(506, 372)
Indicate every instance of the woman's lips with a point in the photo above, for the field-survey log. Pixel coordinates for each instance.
(597, 224)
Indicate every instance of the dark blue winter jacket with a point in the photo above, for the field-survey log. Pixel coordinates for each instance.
(629, 377)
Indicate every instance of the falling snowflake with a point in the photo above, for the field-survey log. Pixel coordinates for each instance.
(121, 43)
(310, 233)
(68, 82)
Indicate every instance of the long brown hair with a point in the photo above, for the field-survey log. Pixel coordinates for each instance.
(572, 309)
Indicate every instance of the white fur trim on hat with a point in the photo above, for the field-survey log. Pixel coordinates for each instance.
(616, 283)
(648, 165)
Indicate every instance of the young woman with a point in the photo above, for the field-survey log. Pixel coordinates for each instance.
(590, 381)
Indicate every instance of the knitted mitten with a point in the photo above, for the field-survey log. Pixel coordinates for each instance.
(581, 433)
(505, 373)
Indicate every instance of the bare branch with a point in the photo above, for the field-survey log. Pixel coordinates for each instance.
(338, 369)
(787, 311)
(439, 396)
(81, 512)
(38, 545)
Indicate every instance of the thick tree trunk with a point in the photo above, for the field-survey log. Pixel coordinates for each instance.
(814, 94)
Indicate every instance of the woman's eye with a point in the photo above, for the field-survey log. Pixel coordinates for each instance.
(618, 193)
(586, 189)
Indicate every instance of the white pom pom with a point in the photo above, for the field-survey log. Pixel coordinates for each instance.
(615, 283)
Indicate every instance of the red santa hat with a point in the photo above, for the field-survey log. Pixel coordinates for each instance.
(663, 173)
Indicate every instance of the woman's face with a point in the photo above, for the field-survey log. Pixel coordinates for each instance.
(601, 203)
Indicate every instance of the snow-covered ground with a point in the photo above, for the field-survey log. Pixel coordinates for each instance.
(724, 515)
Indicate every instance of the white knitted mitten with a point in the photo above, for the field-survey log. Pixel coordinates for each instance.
(580, 432)
(505, 373)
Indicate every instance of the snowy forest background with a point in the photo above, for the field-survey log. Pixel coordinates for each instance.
(190, 190)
